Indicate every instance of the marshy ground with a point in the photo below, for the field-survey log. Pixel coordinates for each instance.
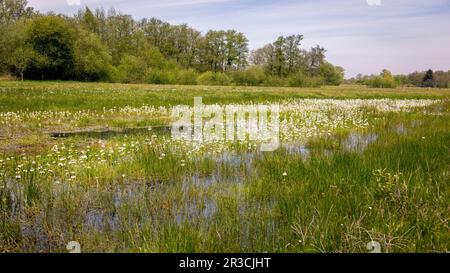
(95, 163)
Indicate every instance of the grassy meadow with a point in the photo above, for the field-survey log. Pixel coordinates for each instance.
(95, 163)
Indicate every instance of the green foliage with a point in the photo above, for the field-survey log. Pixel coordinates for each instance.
(253, 76)
(16, 54)
(186, 77)
(274, 81)
(159, 76)
(301, 80)
(53, 38)
(442, 79)
(401, 80)
(416, 78)
(385, 80)
(379, 82)
(3, 59)
(178, 42)
(428, 79)
(111, 46)
(278, 61)
(332, 75)
(92, 58)
(116, 75)
(14, 10)
(21, 58)
(236, 50)
(386, 74)
(130, 70)
(120, 36)
(212, 78)
(11, 12)
(89, 21)
(439, 79)
(223, 50)
(390, 187)
(316, 58)
(151, 57)
(284, 58)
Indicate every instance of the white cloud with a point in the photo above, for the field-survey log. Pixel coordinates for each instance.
(374, 2)
(74, 2)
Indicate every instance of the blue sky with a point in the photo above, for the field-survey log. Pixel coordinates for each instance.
(400, 35)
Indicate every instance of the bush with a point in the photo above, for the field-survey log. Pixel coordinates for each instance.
(274, 81)
(152, 57)
(52, 38)
(385, 80)
(162, 76)
(206, 78)
(401, 80)
(300, 80)
(187, 77)
(159, 76)
(252, 76)
(115, 74)
(92, 58)
(130, 70)
(332, 75)
(442, 79)
(380, 82)
(428, 79)
(211, 78)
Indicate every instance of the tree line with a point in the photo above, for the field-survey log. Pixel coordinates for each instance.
(426, 79)
(113, 47)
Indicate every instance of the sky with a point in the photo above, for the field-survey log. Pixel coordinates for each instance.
(362, 36)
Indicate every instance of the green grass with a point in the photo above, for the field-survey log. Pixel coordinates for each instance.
(145, 193)
(40, 96)
(338, 202)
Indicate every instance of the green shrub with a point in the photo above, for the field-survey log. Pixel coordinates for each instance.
(159, 76)
(115, 74)
(380, 82)
(147, 66)
(186, 77)
(274, 81)
(52, 38)
(252, 76)
(332, 75)
(131, 70)
(301, 80)
(402, 80)
(171, 76)
(92, 58)
(211, 78)
(385, 80)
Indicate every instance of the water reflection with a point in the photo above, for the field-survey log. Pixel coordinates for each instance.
(359, 142)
